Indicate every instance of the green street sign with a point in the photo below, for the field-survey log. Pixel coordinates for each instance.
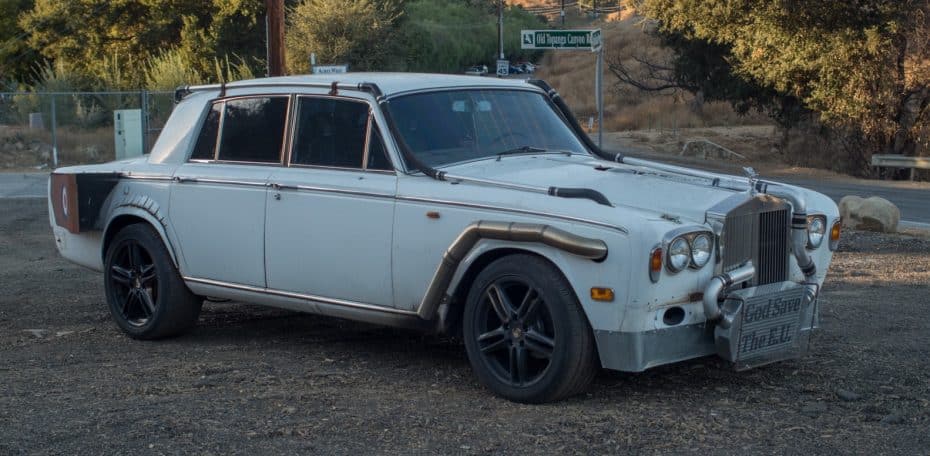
(587, 40)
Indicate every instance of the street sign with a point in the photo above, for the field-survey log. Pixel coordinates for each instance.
(330, 69)
(561, 39)
(503, 67)
(581, 40)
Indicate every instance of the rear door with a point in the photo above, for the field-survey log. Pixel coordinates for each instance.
(218, 199)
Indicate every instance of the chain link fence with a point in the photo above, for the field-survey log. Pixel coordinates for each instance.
(51, 129)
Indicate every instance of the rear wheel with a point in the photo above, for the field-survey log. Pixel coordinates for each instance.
(145, 293)
(526, 335)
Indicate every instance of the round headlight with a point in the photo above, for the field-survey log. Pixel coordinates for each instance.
(679, 254)
(700, 250)
(816, 229)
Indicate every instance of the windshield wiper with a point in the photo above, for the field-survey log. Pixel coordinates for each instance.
(519, 150)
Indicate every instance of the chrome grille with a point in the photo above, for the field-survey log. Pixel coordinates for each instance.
(773, 246)
(738, 240)
(757, 230)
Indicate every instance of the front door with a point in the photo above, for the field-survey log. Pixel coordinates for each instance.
(330, 213)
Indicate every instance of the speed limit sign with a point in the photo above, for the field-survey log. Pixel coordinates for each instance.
(503, 67)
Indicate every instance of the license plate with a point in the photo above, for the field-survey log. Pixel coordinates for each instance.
(769, 326)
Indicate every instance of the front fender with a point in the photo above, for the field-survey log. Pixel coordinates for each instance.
(582, 275)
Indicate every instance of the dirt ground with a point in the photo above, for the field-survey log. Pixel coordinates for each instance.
(250, 380)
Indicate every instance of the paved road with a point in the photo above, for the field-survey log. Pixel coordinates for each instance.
(912, 198)
(23, 185)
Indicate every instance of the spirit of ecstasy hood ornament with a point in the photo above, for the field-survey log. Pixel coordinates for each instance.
(752, 177)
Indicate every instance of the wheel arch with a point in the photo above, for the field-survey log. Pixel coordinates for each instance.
(468, 271)
(130, 215)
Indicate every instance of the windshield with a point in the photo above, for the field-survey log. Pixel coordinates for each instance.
(453, 126)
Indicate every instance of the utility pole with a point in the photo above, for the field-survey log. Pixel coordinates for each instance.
(500, 27)
(274, 33)
(562, 12)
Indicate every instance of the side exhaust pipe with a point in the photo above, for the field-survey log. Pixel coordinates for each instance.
(594, 249)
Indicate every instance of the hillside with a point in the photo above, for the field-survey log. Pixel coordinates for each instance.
(625, 36)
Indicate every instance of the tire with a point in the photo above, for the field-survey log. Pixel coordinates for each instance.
(145, 293)
(526, 335)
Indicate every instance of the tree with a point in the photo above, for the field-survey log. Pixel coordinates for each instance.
(88, 36)
(16, 56)
(358, 32)
(861, 64)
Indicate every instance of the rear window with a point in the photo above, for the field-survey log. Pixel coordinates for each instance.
(253, 129)
(206, 142)
(245, 129)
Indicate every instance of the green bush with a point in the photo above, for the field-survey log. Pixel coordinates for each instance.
(448, 36)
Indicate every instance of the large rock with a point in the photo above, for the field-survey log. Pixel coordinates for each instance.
(871, 214)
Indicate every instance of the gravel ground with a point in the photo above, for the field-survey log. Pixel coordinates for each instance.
(253, 380)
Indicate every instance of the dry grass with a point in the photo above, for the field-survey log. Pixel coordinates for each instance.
(23, 147)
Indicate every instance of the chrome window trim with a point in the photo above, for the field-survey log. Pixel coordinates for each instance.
(341, 168)
(367, 139)
(288, 294)
(569, 218)
(311, 188)
(204, 180)
(146, 177)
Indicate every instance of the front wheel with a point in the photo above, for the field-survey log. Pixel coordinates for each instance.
(526, 335)
(145, 292)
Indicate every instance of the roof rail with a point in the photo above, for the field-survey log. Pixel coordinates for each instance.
(181, 92)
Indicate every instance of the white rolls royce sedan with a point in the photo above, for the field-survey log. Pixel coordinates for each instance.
(476, 207)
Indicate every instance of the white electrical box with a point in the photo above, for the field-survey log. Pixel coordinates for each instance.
(127, 133)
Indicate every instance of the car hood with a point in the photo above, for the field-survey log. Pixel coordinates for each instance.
(646, 190)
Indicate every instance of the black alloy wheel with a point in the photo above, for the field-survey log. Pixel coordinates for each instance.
(516, 333)
(134, 283)
(145, 293)
(525, 332)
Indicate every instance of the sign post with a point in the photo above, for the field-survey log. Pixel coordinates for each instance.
(578, 40)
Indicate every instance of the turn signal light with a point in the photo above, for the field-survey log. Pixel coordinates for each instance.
(835, 232)
(655, 264)
(602, 294)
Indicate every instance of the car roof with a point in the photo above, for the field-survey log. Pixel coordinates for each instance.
(392, 83)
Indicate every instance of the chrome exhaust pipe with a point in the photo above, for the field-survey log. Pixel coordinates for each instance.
(718, 284)
(593, 249)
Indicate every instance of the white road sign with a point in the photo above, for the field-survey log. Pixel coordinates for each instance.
(561, 39)
(330, 69)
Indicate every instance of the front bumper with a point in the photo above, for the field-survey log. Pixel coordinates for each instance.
(765, 324)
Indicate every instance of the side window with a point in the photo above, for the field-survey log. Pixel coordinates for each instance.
(330, 132)
(377, 153)
(253, 129)
(205, 149)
